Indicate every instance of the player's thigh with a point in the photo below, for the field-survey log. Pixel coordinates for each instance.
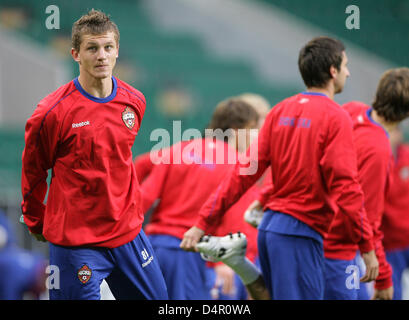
(398, 263)
(341, 279)
(296, 266)
(137, 271)
(185, 273)
(78, 272)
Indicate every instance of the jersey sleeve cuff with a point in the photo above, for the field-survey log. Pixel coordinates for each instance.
(365, 246)
(383, 284)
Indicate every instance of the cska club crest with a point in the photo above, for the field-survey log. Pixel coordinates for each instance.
(128, 116)
(84, 274)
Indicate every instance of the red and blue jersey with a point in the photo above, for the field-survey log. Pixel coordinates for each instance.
(94, 195)
(374, 159)
(308, 142)
(395, 223)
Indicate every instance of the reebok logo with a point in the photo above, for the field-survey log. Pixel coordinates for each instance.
(80, 124)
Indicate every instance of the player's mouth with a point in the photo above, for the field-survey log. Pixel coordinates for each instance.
(102, 66)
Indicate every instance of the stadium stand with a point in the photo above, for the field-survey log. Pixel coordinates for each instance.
(381, 23)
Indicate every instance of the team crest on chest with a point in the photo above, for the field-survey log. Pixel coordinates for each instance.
(128, 116)
(84, 274)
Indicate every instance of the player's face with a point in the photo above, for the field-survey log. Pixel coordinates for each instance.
(97, 54)
(342, 74)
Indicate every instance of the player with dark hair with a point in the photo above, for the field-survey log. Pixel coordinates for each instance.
(307, 140)
(182, 187)
(374, 157)
(84, 132)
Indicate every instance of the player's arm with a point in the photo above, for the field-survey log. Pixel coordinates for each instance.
(339, 169)
(242, 176)
(152, 186)
(143, 166)
(41, 138)
(374, 177)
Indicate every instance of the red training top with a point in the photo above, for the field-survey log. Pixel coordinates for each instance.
(233, 220)
(395, 223)
(374, 162)
(182, 184)
(307, 141)
(94, 195)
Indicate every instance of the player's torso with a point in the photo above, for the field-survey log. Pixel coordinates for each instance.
(93, 131)
(297, 144)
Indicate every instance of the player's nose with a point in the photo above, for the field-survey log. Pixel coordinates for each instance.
(101, 54)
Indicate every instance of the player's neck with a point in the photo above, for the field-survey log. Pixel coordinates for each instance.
(99, 88)
(388, 126)
(328, 91)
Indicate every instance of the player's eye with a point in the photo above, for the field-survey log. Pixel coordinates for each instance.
(93, 48)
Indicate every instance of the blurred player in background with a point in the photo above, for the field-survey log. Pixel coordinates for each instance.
(182, 187)
(232, 287)
(22, 273)
(374, 157)
(395, 223)
(84, 132)
(307, 141)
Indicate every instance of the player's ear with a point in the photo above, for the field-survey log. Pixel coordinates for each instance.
(75, 55)
(333, 71)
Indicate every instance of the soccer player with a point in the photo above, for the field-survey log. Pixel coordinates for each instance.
(395, 223)
(307, 141)
(374, 157)
(84, 132)
(182, 187)
(231, 285)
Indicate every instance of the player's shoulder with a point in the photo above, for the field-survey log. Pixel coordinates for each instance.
(58, 96)
(404, 149)
(130, 92)
(355, 108)
(310, 99)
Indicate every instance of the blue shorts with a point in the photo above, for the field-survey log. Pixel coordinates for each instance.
(291, 258)
(341, 279)
(185, 273)
(365, 290)
(399, 261)
(132, 272)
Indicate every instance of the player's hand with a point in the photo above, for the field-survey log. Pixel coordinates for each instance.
(372, 266)
(225, 278)
(191, 238)
(385, 294)
(254, 214)
(38, 237)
